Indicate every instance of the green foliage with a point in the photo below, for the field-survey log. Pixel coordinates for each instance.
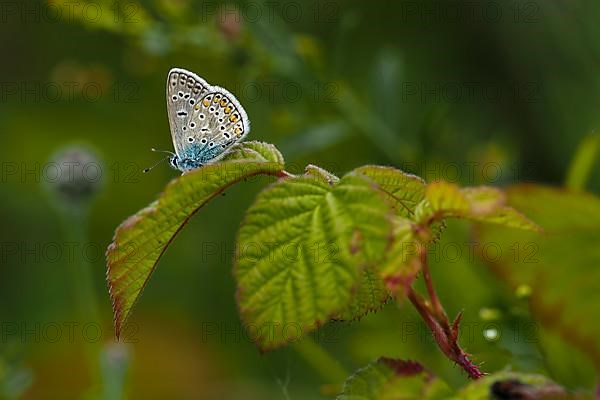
(483, 204)
(392, 379)
(403, 258)
(371, 111)
(555, 273)
(141, 240)
(369, 295)
(300, 250)
(312, 247)
(405, 190)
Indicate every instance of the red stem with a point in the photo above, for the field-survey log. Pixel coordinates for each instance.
(444, 333)
(435, 300)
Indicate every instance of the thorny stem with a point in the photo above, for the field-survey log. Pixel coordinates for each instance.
(435, 300)
(444, 333)
(423, 309)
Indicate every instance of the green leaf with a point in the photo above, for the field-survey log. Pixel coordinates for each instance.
(300, 252)
(313, 170)
(370, 295)
(140, 241)
(559, 268)
(446, 200)
(402, 263)
(392, 379)
(404, 190)
(256, 151)
(483, 204)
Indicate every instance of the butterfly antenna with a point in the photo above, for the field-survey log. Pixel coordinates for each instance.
(162, 151)
(152, 167)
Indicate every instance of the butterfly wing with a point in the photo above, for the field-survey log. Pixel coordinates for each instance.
(220, 122)
(184, 91)
(205, 120)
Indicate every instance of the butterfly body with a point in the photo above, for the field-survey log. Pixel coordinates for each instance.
(194, 157)
(205, 120)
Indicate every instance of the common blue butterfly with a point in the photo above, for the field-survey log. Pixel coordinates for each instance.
(205, 120)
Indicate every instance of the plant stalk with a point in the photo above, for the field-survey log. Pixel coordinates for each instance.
(321, 361)
(436, 319)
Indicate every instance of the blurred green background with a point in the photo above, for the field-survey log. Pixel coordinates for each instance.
(475, 92)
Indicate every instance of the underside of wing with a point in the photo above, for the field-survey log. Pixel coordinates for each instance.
(220, 119)
(184, 91)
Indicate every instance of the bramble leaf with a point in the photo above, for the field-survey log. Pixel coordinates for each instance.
(300, 251)
(313, 170)
(370, 295)
(482, 204)
(391, 379)
(404, 190)
(140, 241)
(394, 379)
(402, 263)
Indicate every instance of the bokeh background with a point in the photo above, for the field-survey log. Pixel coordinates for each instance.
(475, 92)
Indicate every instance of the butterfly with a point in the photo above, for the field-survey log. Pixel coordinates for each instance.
(205, 120)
